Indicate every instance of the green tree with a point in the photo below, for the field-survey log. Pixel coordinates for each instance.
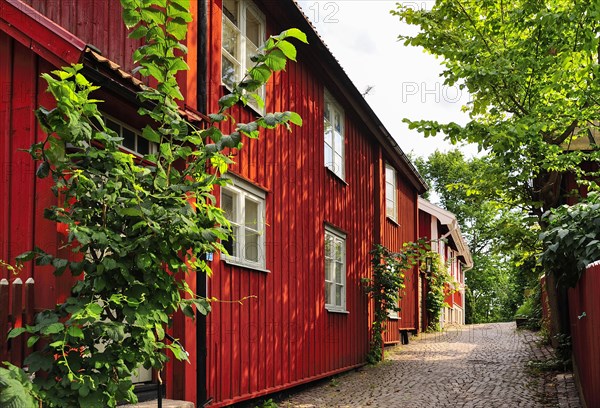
(136, 227)
(531, 69)
(491, 222)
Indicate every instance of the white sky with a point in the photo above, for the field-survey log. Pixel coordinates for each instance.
(362, 35)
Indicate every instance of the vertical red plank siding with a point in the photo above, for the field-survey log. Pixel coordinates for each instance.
(7, 91)
(23, 197)
(96, 22)
(22, 136)
(285, 336)
(585, 333)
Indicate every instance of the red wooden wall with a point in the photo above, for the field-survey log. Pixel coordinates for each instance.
(285, 336)
(585, 333)
(22, 196)
(96, 22)
(408, 232)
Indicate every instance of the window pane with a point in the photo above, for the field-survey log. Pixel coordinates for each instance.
(390, 211)
(230, 9)
(128, 139)
(338, 122)
(328, 293)
(328, 156)
(228, 205)
(338, 142)
(338, 165)
(328, 270)
(231, 244)
(389, 192)
(114, 126)
(339, 251)
(389, 174)
(230, 40)
(339, 272)
(253, 29)
(338, 295)
(327, 113)
(328, 246)
(251, 246)
(143, 145)
(328, 134)
(228, 72)
(251, 215)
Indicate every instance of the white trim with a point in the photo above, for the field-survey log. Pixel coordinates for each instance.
(242, 192)
(394, 184)
(334, 109)
(338, 237)
(240, 64)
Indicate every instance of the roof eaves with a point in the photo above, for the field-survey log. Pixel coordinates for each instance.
(40, 34)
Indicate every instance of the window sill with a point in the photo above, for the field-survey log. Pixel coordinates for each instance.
(394, 317)
(331, 309)
(336, 177)
(392, 221)
(244, 265)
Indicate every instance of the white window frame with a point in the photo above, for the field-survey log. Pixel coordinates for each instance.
(337, 237)
(393, 208)
(337, 148)
(240, 191)
(152, 147)
(241, 65)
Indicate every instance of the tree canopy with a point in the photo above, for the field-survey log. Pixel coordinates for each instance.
(531, 68)
(503, 247)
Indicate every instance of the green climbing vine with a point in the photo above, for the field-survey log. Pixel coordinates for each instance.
(440, 284)
(385, 286)
(134, 230)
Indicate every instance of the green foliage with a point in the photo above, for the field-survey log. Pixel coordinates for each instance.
(572, 240)
(440, 284)
(16, 390)
(385, 287)
(531, 309)
(501, 234)
(531, 69)
(135, 227)
(267, 404)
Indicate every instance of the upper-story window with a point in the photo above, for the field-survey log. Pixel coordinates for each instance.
(334, 136)
(243, 32)
(244, 207)
(132, 138)
(391, 195)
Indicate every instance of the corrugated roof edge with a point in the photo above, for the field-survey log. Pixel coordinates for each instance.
(419, 182)
(134, 84)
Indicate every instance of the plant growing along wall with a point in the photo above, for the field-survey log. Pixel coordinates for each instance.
(572, 239)
(384, 288)
(134, 230)
(439, 285)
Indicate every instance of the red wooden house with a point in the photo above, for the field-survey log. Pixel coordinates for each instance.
(307, 207)
(441, 228)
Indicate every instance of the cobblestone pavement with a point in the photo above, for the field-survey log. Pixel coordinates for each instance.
(469, 366)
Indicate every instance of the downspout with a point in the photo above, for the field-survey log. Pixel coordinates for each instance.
(201, 338)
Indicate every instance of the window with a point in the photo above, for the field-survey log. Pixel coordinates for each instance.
(132, 139)
(244, 205)
(334, 136)
(243, 33)
(335, 270)
(391, 196)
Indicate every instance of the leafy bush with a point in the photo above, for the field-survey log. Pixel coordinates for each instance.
(571, 240)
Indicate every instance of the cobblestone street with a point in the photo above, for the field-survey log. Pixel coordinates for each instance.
(471, 366)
